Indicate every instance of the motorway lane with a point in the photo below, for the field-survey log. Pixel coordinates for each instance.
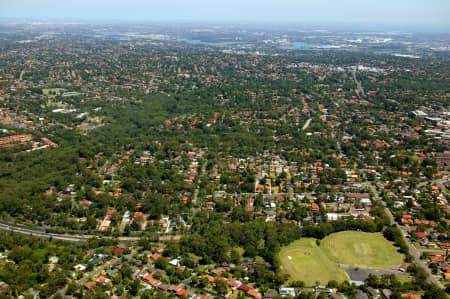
(73, 238)
(38, 233)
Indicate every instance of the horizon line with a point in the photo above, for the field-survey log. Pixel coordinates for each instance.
(168, 21)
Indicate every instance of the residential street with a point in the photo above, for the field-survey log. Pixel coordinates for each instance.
(412, 250)
(111, 263)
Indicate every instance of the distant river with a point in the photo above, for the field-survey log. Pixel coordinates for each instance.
(297, 46)
(121, 36)
(199, 42)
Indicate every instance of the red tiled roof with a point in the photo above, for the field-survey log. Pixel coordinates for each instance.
(437, 258)
(233, 283)
(181, 292)
(155, 256)
(254, 293)
(421, 235)
(90, 284)
(411, 296)
(210, 279)
(244, 287)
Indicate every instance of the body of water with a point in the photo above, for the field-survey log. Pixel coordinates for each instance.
(199, 42)
(297, 46)
(119, 35)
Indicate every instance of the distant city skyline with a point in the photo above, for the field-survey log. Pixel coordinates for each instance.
(380, 12)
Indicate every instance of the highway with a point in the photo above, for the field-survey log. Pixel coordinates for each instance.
(308, 122)
(38, 233)
(21, 75)
(359, 89)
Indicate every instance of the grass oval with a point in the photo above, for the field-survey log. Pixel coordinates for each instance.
(360, 249)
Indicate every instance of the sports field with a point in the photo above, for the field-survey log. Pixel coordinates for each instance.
(304, 260)
(364, 250)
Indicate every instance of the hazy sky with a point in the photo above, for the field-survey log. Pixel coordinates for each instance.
(431, 12)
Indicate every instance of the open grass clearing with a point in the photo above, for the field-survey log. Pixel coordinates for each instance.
(304, 260)
(360, 249)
